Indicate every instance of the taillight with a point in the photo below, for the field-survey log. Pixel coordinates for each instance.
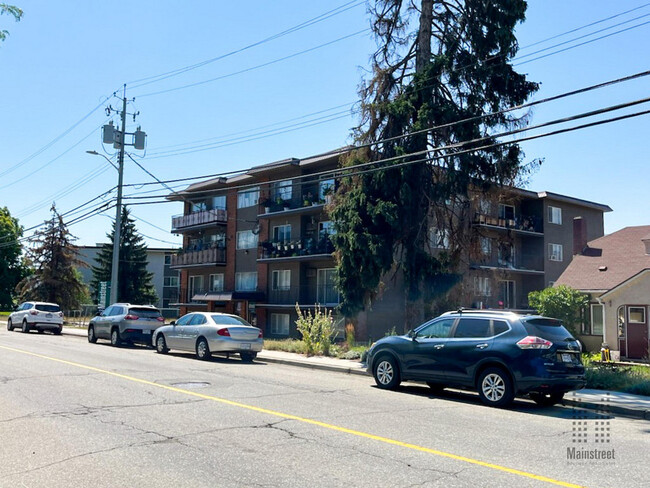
(160, 319)
(259, 336)
(60, 314)
(534, 342)
(224, 332)
(33, 312)
(131, 317)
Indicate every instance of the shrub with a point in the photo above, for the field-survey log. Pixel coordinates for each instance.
(317, 329)
(561, 302)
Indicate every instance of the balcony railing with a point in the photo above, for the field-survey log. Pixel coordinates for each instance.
(326, 295)
(181, 222)
(304, 198)
(525, 263)
(527, 223)
(215, 255)
(301, 247)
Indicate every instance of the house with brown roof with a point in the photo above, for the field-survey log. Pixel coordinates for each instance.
(615, 271)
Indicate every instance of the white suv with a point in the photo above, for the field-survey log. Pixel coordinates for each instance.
(41, 316)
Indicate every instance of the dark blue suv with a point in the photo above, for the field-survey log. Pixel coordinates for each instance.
(500, 354)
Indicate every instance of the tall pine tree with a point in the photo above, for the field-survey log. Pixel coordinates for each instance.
(54, 261)
(134, 280)
(438, 64)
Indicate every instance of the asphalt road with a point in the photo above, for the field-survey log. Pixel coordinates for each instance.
(73, 414)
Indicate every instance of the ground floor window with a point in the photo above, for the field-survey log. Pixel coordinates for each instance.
(216, 282)
(280, 324)
(507, 295)
(326, 291)
(482, 286)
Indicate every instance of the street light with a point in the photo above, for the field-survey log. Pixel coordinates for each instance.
(95, 153)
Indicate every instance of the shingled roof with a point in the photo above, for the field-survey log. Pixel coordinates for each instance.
(609, 260)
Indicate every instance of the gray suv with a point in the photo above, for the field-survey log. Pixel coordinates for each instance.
(124, 322)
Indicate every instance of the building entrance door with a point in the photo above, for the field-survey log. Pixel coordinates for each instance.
(637, 332)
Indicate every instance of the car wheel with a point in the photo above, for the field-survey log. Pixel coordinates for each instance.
(10, 326)
(25, 327)
(161, 344)
(495, 388)
(386, 373)
(40, 331)
(92, 338)
(435, 387)
(546, 399)
(248, 357)
(202, 349)
(58, 331)
(115, 337)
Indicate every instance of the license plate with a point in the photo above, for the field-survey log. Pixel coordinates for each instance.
(567, 358)
(146, 332)
(49, 315)
(245, 345)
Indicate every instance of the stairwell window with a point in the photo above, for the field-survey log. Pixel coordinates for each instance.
(555, 252)
(246, 240)
(248, 197)
(555, 215)
(246, 281)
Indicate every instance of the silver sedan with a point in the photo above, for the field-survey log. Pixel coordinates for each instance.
(206, 332)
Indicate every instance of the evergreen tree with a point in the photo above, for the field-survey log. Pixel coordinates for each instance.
(436, 65)
(134, 281)
(54, 261)
(12, 268)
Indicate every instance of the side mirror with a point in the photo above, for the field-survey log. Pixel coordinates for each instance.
(98, 313)
(173, 322)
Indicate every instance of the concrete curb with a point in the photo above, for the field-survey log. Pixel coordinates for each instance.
(310, 365)
(606, 410)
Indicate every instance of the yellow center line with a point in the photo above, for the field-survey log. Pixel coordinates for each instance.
(324, 425)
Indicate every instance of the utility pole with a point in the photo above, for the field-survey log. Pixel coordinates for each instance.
(118, 139)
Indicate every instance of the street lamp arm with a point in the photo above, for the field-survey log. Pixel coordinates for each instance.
(95, 153)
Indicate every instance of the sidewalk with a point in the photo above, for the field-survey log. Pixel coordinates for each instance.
(605, 402)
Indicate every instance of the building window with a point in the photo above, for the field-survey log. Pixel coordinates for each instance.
(485, 206)
(439, 238)
(636, 315)
(216, 282)
(326, 228)
(506, 254)
(326, 291)
(198, 206)
(551, 284)
(281, 279)
(323, 187)
(555, 252)
(620, 313)
(555, 215)
(248, 198)
(246, 240)
(482, 286)
(506, 211)
(219, 202)
(283, 190)
(246, 281)
(282, 233)
(597, 318)
(486, 246)
(507, 297)
(195, 286)
(280, 324)
(168, 259)
(170, 281)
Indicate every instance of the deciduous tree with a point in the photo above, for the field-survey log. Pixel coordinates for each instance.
(12, 268)
(10, 10)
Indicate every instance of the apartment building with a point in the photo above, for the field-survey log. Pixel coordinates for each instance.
(258, 243)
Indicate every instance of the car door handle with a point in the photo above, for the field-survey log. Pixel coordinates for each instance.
(481, 346)
(438, 346)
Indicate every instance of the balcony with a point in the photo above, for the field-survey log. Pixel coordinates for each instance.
(526, 264)
(204, 257)
(525, 224)
(307, 203)
(205, 218)
(298, 250)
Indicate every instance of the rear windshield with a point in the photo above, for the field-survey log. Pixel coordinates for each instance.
(227, 320)
(549, 329)
(147, 313)
(47, 308)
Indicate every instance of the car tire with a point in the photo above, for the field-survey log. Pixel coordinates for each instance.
(161, 344)
(40, 331)
(10, 326)
(495, 387)
(386, 372)
(25, 327)
(202, 349)
(435, 387)
(546, 399)
(58, 331)
(248, 357)
(115, 337)
(92, 338)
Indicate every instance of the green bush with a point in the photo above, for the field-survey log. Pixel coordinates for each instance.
(626, 379)
(560, 302)
(285, 345)
(317, 330)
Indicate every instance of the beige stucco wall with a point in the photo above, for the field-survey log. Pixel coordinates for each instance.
(635, 292)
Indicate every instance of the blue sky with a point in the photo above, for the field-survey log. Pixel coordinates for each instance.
(65, 57)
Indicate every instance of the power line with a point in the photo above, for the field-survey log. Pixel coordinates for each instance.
(330, 13)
